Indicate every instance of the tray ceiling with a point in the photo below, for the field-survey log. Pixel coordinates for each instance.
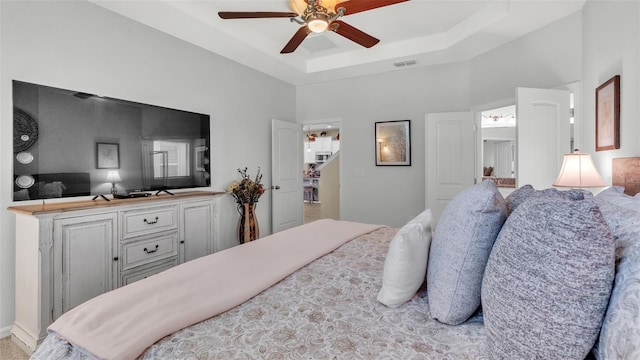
(412, 33)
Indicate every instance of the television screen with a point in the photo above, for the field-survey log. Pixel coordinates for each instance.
(69, 143)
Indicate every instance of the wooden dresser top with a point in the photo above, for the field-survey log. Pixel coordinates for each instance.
(99, 203)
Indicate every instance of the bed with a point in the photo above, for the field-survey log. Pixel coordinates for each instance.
(326, 310)
(331, 308)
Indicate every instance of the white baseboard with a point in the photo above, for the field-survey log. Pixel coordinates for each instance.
(6, 331)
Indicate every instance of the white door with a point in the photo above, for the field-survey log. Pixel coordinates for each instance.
(543, 135)
(450, 158)
(503, 159)
(286, 175)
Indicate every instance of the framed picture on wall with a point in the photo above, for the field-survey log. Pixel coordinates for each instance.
(608, 115)
(107, 156)
(393, 143)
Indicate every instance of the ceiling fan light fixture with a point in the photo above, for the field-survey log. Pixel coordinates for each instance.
(318, 24)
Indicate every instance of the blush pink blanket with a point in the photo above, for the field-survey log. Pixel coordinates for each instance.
(122, 323)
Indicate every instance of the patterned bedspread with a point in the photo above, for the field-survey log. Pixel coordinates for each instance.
(326, 310)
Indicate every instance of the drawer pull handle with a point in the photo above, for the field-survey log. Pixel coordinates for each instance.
(151, 251)
(151, 222)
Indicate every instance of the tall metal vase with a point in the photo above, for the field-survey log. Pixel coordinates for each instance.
(248, 229)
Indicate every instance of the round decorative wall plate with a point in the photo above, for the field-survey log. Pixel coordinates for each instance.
(25, 130)
(25, 181)
(24, 157)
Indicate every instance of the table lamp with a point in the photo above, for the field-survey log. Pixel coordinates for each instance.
(578, 171)
(112, 177)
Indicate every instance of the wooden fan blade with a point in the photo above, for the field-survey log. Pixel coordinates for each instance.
(353, 34)
(255, 14)
(296, 40)
(356, 6)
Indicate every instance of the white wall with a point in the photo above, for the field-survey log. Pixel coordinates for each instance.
(79, 46)
(389, 195)
(611, 46)
(546, 58)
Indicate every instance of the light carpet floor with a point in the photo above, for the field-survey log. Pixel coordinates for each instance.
(11, 351)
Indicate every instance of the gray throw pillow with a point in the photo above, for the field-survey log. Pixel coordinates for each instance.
(518, 196)
(547, 283)
(527, 192)
(460, 249)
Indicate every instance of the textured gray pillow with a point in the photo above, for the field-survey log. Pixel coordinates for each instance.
(459, 251)
(518, 196)
(547, 283)
(527, 192)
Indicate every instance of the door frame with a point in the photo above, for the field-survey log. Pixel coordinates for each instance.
(337, 120)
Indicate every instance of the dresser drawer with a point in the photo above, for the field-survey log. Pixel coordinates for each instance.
(149, 249)
(148, 221)
(144, 272)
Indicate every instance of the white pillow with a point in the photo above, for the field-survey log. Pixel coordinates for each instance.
(616, 196)
(405, 266)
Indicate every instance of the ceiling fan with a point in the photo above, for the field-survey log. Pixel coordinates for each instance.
(317, 18)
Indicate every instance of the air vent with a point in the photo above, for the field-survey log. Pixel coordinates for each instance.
(404, 63)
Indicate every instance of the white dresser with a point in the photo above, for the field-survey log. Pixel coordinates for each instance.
(68, 253)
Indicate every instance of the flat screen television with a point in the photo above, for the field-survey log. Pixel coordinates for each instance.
(68, 143)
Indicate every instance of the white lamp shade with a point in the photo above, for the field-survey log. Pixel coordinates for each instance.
(578, 171)
(113, 176)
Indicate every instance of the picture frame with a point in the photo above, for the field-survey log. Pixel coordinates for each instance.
(393, 143)
(107, 156)
(608, 115)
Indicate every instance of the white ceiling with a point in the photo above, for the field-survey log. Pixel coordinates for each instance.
(425, 31)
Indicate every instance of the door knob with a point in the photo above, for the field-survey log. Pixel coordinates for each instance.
(276, 187)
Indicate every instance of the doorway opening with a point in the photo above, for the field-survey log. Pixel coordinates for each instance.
(321, 171)
(498, 150)
(544, 132)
